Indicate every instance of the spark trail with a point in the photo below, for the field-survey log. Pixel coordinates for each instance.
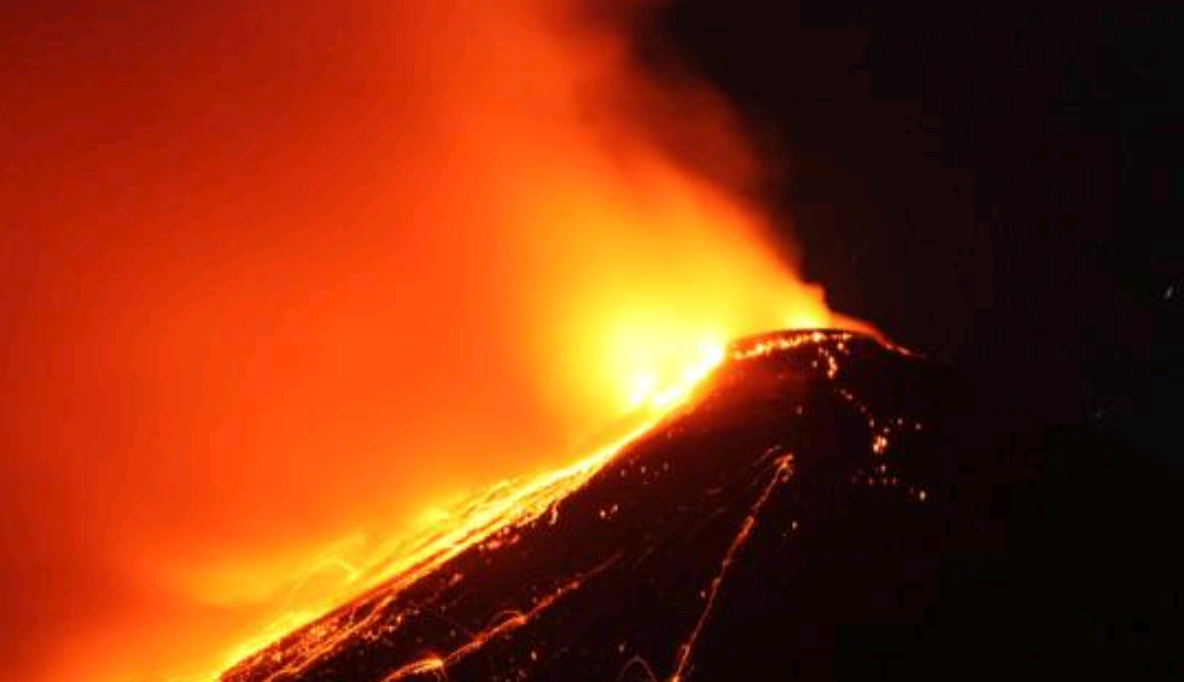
(437, 663)
(783, 470)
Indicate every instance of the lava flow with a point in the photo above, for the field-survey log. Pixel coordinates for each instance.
(694, 548)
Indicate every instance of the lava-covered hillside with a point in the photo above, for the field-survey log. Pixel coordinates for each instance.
(825, 506)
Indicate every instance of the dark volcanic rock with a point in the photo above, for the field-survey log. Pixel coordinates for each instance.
(822, 508)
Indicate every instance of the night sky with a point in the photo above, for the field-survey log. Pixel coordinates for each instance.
(997, 186)
(1001, 188)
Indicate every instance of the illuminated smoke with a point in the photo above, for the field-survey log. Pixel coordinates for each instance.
(286, 275)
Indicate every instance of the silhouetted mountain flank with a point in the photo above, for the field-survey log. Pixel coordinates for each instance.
(824, 506)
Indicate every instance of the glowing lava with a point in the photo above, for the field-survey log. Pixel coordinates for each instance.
(650, 388)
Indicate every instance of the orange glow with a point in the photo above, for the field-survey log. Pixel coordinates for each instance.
(283, 276)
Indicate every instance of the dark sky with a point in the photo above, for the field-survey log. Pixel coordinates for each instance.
(1002, 189)
(999, 187)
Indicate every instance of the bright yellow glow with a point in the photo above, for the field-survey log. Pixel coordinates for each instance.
(662, 379)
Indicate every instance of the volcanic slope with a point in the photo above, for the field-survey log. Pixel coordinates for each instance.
(791, 515)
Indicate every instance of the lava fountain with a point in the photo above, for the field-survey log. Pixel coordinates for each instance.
(301, 272)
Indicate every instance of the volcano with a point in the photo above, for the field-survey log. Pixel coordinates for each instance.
(820, 507)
